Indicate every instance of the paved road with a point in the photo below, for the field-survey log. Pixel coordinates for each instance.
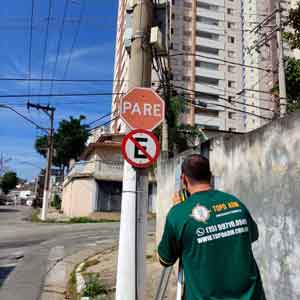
(26, 249)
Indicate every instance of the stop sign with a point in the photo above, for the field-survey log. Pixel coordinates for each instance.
(142, 108)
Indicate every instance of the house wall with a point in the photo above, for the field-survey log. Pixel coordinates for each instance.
(79, 197)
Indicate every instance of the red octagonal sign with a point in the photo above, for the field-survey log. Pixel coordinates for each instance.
(142, 108)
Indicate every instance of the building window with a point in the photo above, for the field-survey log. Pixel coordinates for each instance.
(207, 35)
(207, 6)
(207, 50)
(231, 25)
(187, 19)
(231, 39)
(230, 99)
(207, 97)
(186, 78)
(207, 21)
(187, 33)
(207, 65)
(173, 16)
(187, 4)
(231, 69)
(230, 11)
(211, 127)
(231, 84)
(231, 115)
(206, 80)
(187, 63)
(186, 48)
(231, 54)
(232, 129)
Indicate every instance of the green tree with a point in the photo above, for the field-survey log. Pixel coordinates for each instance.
(9, 181)
(292, 74)
(68, 142)
(293, 37)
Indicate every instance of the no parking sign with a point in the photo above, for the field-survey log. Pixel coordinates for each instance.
(140, 148)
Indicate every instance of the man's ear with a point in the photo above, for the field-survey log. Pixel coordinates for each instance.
(184, 181)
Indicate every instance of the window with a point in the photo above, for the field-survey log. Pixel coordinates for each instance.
(186, 78)
(208, 21)
(231, 84)
(231, 69)
(207, 65)
(187, 33)
(231, 25)
(187, 63)
(187, 4)
(187, 19)
(231, 39)
(231, 115)
(211, 127)
(173, 16)
(232, 129)
(207, 50)
(172, 30)
(207, 97)
(207, 6)
(206, 80)
(229, 11)
(230, 99)
(207, 35)
(186, 48)
(231, 54)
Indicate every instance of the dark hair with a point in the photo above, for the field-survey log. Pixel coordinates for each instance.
(196, 167)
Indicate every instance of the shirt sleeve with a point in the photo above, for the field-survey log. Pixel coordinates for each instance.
(168, 249)
(253, 229)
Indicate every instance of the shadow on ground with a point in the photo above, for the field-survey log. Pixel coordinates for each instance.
(4, 272)
(7, 210)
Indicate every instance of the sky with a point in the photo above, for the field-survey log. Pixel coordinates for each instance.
(92, 57)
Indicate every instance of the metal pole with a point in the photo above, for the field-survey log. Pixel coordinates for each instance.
(131, 255)
(281, 68)
(48, 168)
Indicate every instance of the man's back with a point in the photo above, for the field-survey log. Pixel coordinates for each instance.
(212, 232)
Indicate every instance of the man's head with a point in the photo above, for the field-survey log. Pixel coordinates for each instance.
(195, 171)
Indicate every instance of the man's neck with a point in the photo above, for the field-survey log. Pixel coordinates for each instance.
(201, 187)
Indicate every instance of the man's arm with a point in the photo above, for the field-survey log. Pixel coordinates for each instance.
(168, 249)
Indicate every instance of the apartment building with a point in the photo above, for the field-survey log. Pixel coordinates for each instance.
(211, 62)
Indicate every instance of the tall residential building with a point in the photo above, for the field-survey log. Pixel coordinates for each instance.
(210, 50)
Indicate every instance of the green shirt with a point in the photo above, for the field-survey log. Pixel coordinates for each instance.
(212, 232)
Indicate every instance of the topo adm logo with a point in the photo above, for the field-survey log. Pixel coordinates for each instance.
(200, 213)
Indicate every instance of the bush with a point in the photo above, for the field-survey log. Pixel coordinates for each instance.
(93, 287)
(56, 202)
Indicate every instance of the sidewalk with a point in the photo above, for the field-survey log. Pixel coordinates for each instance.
(106, 267)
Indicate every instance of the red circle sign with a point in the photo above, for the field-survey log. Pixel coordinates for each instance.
(140, 148)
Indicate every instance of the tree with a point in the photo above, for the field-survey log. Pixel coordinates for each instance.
(9, 181)
(68, 142)
(292, 74)
(293, 37)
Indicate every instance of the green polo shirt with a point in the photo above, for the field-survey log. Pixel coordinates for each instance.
(212, 232)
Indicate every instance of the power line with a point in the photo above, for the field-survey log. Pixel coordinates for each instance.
(60, 95)
(58, 80)
(23, 116)
(104, 124)
(30, 45)
(59, 42)
(45, 45)
(222, 60)
(99, 119)
(75, 39)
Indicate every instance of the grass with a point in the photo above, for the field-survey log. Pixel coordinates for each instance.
(72, 289)
(78, 220)
(89, 263)
(93, 287)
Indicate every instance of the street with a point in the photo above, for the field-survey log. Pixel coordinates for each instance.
(26, 249)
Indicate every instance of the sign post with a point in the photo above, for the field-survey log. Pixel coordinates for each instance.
(142, 110)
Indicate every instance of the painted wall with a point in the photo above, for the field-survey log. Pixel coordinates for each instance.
(79, 197)
(263, 169)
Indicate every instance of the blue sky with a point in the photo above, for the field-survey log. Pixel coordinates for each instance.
(92, 58)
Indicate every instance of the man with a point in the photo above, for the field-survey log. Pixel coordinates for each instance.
(212, 233)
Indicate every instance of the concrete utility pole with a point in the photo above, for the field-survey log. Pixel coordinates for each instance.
(50, 112)
(281, 68)
(131, 254)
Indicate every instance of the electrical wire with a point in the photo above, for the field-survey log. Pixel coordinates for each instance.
(61, 32)
(104, 124)
(45, 46)
(59, 80)
(30, 45)
(75, 39)
(60, 95)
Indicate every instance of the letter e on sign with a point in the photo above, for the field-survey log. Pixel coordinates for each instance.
(142, 108)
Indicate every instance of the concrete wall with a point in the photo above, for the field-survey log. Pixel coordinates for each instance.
(263, 169)
(79, 197)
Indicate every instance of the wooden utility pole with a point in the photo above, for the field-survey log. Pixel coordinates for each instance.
(131, 254)
(50, 113)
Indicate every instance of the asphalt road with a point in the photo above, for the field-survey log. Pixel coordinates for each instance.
(26, 248)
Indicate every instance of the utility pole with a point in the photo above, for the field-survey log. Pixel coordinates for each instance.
(281, 68)
(131, 255)
(49, 111)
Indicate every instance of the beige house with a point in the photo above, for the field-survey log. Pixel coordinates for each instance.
(94, 184)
